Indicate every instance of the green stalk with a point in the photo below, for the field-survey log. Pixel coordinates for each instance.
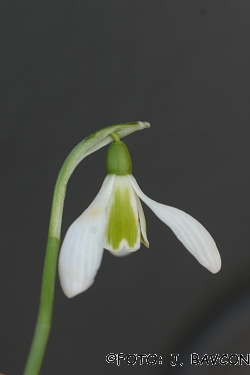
(44, 320)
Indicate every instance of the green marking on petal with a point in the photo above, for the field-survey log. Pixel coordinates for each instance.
(123, 220)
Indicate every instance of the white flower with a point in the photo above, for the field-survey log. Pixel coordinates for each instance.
(115, 221)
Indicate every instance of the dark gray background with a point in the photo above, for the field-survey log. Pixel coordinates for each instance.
(69, 68)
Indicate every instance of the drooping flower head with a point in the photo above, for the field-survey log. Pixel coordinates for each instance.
(115, 221)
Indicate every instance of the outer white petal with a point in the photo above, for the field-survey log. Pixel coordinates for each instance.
(81, 252)
(188, 230)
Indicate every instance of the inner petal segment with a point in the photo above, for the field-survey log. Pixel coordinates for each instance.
(123, 230)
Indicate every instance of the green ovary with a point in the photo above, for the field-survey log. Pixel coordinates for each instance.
(122, 222)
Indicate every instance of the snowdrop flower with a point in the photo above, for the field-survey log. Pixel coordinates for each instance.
(115, 221)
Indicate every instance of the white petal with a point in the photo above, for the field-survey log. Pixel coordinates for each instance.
(121, 253)
(81, 252)
(188, 230)
(123, 229)
(144, 239)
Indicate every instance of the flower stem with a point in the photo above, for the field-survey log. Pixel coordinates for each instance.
(115, 136)
(44, 320)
